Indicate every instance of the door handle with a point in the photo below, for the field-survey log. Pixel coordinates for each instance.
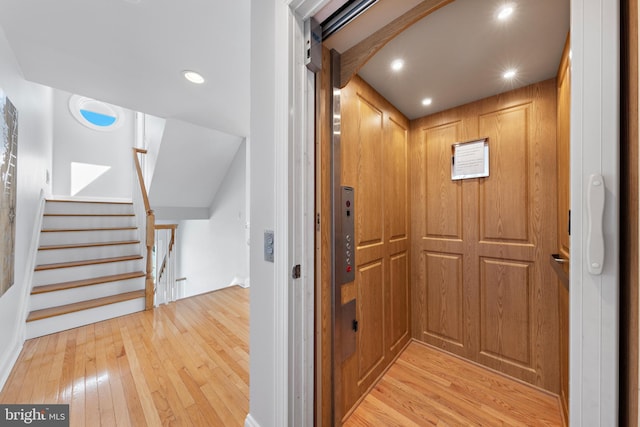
(558, 258)
(595, 216)
(560, 266)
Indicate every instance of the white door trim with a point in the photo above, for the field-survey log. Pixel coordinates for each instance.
(283, 228)
(301, 184)
(295, 145)
(302, 234)
(595, 120)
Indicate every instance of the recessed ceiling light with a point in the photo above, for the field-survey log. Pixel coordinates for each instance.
(427, 101)
(397, 64)
(509, 74)
(505, 11)
(193, 77)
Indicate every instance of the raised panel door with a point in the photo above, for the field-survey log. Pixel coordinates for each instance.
(375, 162)
(486, 289)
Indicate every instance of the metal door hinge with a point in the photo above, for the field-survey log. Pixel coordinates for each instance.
(295, 272)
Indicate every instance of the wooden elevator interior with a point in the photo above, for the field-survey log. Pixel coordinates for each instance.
(463, 266)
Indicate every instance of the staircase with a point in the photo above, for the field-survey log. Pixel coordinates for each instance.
(89, 266)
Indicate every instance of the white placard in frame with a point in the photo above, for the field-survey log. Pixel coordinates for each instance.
(470, 159)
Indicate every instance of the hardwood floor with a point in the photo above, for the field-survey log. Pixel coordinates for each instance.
(183, 364)
(427, 387)
(187, 364)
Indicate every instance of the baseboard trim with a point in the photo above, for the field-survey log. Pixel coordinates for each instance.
(6, 366)
(243, 283)
(31, 263)
(250, 422)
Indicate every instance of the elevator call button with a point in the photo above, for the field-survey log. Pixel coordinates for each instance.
(344, 252)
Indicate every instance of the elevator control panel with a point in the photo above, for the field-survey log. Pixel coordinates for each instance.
(346, 254)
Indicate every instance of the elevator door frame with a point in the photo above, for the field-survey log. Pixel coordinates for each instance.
(595, 150)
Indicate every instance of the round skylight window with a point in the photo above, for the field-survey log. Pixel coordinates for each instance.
(96, 115)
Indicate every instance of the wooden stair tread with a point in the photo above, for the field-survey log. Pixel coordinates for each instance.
(86, 262)
(104, 202)
(65, 230)
(86, 282)
(88, 245)
(83, 305)
(90, 214)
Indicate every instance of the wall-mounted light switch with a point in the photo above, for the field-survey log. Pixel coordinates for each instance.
(268, 245)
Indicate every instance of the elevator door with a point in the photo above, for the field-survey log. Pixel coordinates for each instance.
(483, 284)
(375, 162)
(564, 221)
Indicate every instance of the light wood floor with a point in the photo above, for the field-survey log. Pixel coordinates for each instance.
(426, 387)
(183, 364)
(187, 364)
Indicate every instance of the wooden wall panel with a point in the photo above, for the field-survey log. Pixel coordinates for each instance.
(375, 162)
(504, 195)
(443, 274)
(629, 265)
(396, 180)
(370, 314)
(369, 181)
(508, 313)
(323, 362)
(629, 182)
(399, 298)
(564, 165)
(444, 212)
(505, 311)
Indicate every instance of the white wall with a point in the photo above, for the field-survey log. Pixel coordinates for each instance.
(34, 105)
(153, 131)
(262, 398)
(212, 253)
(75, 142)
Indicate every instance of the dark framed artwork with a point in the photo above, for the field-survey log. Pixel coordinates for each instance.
(8, 187)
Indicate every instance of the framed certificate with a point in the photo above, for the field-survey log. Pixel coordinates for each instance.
(470, 159)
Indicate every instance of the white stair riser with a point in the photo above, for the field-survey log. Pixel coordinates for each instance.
(84, 293)
(59, 275)
(75, 222)
(73, 237)
(51, 325)
(52, 207)
(53, 256)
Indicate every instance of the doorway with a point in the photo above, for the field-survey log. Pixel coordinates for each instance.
(499, 269)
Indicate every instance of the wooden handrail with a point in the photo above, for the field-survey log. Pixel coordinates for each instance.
(143, 187)
(150, 231)
(167, 255)
(166, 226)
(164, 265)
(171, 227)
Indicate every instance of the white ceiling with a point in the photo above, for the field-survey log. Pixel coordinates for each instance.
(458, 53)
(132, 53)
